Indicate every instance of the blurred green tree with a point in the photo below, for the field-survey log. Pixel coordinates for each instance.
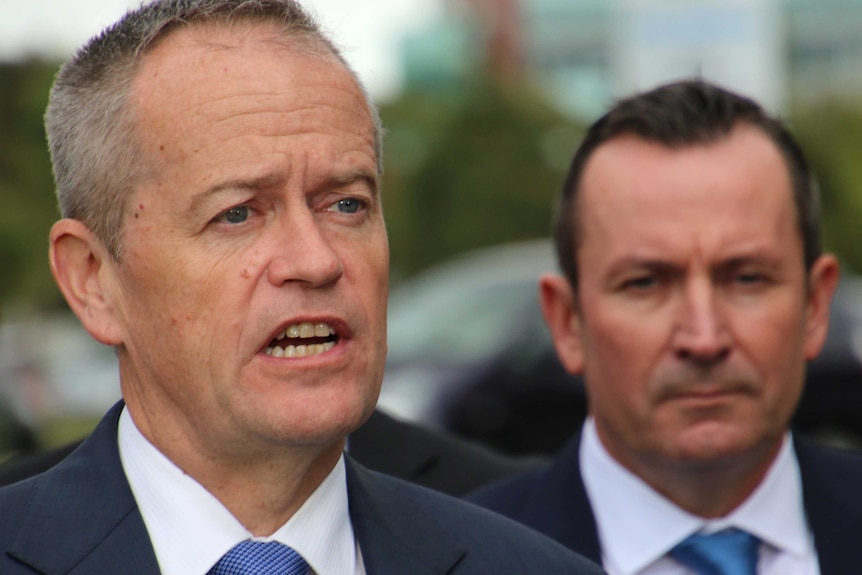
(26, 186)
(472, 169)
(831, 134)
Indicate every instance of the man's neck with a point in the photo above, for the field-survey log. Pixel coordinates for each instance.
(262, 486)
(708, 489)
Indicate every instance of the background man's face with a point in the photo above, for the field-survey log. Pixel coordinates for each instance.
(694, 320)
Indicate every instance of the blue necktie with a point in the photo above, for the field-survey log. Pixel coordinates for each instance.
(728, 552)
(260, 558)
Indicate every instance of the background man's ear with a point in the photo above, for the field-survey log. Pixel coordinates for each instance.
(564, 322)
(822, 281)
(83, 270)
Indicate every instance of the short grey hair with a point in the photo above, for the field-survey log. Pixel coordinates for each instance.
(95, 153)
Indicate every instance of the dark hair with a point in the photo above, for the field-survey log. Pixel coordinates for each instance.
(683, 114)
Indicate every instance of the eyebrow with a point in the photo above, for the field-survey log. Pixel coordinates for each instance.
(351, 177)
(202, 198)
(199, 200)
(758, 257)
(634, 262)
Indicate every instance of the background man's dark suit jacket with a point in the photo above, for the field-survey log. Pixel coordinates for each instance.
(80, 517)
(554, 501)
(398, 448)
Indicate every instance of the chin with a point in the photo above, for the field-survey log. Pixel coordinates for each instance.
(327, 424)
(717, 445)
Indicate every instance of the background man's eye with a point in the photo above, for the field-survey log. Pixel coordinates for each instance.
(236, 215)
(644, 282)
(348, 205)
(751, 278)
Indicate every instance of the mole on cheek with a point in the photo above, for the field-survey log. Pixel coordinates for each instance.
(245, 273)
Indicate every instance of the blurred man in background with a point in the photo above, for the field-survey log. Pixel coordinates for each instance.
(218, 167)
(694, 291)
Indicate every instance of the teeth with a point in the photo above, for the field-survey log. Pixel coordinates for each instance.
(306, 330)
(300, 350)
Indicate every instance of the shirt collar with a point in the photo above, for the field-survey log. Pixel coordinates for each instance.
(190, 529)
(633, 540)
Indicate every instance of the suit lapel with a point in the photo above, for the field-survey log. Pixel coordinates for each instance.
(830, 481)
(557, 504)
(393, 540)
(84, 516)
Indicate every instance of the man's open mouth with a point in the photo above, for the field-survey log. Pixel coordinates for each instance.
(302, 340)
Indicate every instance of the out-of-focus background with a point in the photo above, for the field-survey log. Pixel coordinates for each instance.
(484, 101)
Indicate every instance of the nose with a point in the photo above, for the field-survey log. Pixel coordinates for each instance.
(303, 252)
(701, 335)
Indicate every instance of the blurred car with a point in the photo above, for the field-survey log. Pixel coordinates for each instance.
(469, 353)
(53, 375)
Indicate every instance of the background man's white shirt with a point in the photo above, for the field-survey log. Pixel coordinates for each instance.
(637, 526)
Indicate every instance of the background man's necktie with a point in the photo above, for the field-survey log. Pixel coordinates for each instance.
(260, 558)
(728, 552)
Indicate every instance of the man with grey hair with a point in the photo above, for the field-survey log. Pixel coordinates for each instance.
(217, 166)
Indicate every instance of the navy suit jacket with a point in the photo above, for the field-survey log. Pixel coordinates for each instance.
(80, 517)
(554, 501)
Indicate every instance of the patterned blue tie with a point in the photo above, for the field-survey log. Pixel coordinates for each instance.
(260, 558)
(728, 552)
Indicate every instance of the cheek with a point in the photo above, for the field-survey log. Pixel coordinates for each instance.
(622, 354)
(615, 373)
(370, 272)
(774, 344)
(174, 296)
(623, 346)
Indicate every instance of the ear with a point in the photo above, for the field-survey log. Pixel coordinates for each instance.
(83, 271)
(822, 281)
(560, 310)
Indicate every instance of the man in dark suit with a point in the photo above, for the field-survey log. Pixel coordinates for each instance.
(383, 443)
(694, 291)
(217, 166)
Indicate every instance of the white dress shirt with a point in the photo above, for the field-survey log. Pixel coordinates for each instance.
(638, 526)
(190, 529)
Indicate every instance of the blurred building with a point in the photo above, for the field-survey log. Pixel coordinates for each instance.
(585, 53)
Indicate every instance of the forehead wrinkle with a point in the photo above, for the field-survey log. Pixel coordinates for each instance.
(199, 200)
(304, 112)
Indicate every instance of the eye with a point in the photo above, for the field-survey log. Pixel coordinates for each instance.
(640, 283)
(348, 205)
(749, 278)
(236, 215)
